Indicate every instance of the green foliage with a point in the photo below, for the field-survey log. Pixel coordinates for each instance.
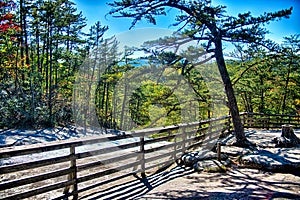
(38, 63)
(42, 47)
(266, 81)
(202, 21)
(155, 99)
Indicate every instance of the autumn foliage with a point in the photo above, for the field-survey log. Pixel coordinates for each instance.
(7, 17)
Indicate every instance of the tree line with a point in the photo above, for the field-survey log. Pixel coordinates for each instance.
(267, 81)
(42, 46)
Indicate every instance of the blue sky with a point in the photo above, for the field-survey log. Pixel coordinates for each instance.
(95, 10)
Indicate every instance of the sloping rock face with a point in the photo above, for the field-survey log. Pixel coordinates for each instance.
(265, 155)
(276, 159)
(27, 137)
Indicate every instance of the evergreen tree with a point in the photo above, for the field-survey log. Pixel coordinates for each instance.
(204, 22)
(44, 55)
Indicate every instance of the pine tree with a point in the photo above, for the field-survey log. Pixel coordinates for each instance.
(204, 22)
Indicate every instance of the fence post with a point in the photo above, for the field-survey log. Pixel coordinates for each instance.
(229, 124)
(175, 145)
(184, 137)
(74, 172)
(142, 151)
(219, 151)
(268, 121)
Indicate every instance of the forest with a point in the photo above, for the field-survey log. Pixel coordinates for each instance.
(47, 60)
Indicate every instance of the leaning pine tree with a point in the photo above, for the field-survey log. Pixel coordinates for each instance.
(206, 23)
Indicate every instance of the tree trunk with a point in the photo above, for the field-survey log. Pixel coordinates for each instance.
(288, 137)
(123, 106)
(107, 106)
(25, 35)
(37, 38)
(22, 13)
(232, 103)
(50, 85)
(286, 89)
(261, 106)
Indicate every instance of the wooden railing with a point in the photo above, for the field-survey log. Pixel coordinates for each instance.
(269, 121)
(59, 170)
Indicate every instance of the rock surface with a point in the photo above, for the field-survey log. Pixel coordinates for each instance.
(276, 159)
(236, 183)
(265, 155)
(13, 137)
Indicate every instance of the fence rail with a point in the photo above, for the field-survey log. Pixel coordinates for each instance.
(75, 168)
(269, 121)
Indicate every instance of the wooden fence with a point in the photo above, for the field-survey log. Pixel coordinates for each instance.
(269, 121)
(75, 168)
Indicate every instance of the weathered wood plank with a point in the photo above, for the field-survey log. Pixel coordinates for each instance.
(106, 161)
(161, 139)
(158, 157)
(40, 190)
(34, 164)
(33, 179)
(165, 146)
(107, 172)
(107, 150)
(159, 164)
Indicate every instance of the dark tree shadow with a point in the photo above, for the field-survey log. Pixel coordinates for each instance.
(235, 184)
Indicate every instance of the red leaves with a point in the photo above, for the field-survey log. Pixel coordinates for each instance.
(6, 17)
(8, 26)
